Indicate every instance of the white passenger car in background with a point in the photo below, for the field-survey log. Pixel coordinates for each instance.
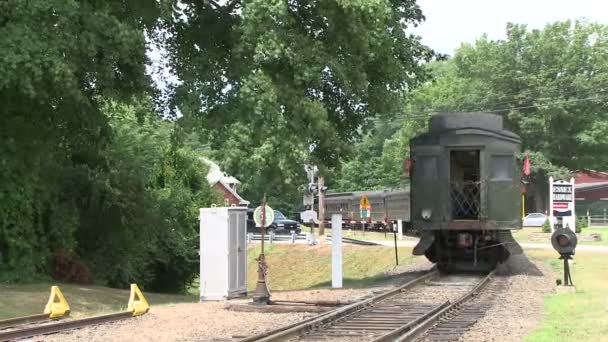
(536, 220)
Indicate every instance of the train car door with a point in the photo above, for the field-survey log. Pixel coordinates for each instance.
(465, 184)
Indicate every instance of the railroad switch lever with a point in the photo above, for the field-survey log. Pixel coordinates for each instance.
(261, 296)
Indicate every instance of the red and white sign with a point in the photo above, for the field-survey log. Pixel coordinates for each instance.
(560, 205)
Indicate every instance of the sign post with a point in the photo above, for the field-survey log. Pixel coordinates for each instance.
(263, 217)
(365, 209)
(561, 202)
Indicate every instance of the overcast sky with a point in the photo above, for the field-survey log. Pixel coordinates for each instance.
(450, 22)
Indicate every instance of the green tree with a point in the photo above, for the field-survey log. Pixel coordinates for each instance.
(59, 61)
(550, 84)
(280, 83)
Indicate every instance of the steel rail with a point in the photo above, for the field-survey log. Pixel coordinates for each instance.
(413, 332)
(62, 326)
(296, 329)
(12, 322)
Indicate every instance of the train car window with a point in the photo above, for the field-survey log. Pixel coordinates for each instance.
(428, 167)
(502, 167)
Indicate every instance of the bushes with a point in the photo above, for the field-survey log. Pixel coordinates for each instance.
(546, 226)
(124, 212)
(581, 223)
(66, 267)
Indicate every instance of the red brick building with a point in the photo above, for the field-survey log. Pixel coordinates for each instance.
(591, 191)
(225, 184)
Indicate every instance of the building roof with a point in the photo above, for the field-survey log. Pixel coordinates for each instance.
(216, 175)
(585, 176)
(590, 186)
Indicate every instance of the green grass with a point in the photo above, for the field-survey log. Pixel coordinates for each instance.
(580, 316)
(361, 235)
(524, 236)
(293, 267)
(30, 299)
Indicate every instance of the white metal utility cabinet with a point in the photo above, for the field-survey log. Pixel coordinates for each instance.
(223, 252)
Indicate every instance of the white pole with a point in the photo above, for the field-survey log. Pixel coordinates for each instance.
(400, 229)
(336, 251)
(551, 204)
(573, 217)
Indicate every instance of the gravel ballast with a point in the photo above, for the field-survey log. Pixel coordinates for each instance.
(517, 310)
(210, 321)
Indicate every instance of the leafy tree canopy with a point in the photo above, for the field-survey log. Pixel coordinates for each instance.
(549, 84)
(278, 83)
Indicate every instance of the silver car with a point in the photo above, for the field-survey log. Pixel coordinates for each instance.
(536, 220)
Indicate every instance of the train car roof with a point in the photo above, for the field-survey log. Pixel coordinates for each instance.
(370, 193)
(478, 123)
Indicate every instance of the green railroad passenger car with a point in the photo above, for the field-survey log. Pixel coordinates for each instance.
(465, 191)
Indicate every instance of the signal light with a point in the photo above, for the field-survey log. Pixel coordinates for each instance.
(312, 187)
(564, 241)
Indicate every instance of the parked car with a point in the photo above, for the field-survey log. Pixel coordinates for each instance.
(536, 220)
(283, 225)
(280, 225)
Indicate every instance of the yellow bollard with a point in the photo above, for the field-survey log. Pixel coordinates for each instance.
(59, 308)
(140, 305)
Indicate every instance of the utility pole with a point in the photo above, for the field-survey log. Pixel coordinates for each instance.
(321, 205)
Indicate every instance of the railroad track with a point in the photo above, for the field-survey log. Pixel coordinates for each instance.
(420, 309)
(45, 327)
(47, 323)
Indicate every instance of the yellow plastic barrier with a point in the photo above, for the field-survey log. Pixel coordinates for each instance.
(57, 306)
(140, 305)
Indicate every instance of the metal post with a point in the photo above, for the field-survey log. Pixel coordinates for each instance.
(261, 294)
(321, 206)
(336, 251)
(396, 252)
(249, 237)
(604, 215)
(293, 236)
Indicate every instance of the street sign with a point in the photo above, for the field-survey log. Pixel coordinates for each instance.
(561, 202)
(364, 202)
(561, 194)
(365, 207)
(257, 216)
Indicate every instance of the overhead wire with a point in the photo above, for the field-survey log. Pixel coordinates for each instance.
(425, 114)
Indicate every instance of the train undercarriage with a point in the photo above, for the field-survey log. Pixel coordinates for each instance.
(470, 250)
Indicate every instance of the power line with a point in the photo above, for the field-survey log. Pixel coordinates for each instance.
(427, 114)
(603, 87)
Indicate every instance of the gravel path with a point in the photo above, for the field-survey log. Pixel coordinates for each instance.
(210, 321)
(516, 311)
